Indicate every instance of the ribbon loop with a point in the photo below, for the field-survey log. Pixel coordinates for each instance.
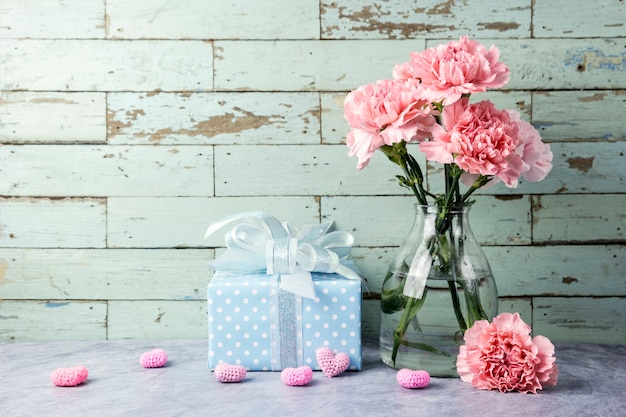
(260, 241)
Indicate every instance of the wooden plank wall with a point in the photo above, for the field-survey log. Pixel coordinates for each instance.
(128, 126)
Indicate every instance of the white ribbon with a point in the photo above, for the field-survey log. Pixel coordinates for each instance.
(259, 241)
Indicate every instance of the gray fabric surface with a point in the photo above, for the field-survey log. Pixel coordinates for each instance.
(591, 383)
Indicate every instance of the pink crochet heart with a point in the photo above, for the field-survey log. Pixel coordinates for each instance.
(297, 376)
(412, 379)
(69, 377)
(331, 364)
(153, 359)
(225, 372)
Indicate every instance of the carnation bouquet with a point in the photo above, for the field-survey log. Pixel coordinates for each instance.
(426, 107)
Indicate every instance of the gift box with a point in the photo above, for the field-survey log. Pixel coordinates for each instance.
(252, 322)
(280, 293)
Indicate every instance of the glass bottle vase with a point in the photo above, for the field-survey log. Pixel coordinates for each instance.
(437, 286)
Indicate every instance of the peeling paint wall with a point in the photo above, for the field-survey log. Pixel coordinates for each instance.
(127, 127)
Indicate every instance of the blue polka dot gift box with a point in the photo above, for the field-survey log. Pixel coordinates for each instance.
(280, 293)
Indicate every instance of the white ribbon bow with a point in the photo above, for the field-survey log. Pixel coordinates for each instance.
(260, 241)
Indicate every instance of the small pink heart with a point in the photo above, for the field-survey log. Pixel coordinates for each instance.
(69, 377)
(331, 364)
(153, 359)
(412, 379)
(297, 376)
(225, 372)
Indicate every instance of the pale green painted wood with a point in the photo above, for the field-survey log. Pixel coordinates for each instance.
(583, 18)
(555, 64)
(69, 117)
(213, 19)
(101, 274)
(244, 102)
(579, 115)
(579, 218)
(299, 170)
(495, 220)
(213, 118)
(105, 65)
(182, 222)
(49, 19)
(354, 19)
(559, 270)
(105, 170)
(306, 65)
(52, 320)
(580, 319)
(157, 320)
(52, 223)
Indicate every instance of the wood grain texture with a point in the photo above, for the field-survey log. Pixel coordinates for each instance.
(102, 274)
(213, 19)
(101, 171)
(182, 222)
(106, 65)
(213, 118)
(52, 320)
(397, 19)
(583, 19)
(157, 319)
(52, 19)
(127, 127)
(69, 117)
(52, 223)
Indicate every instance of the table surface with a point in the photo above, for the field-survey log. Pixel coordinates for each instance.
(591, 383)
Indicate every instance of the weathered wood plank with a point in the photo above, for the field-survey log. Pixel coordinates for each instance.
(182, 222)
(52, 223)
(157, 320)
(557, 64)
(579, 218)
(213, 118)
(32, 117)
(85, 170)
(526, 270)
(300, 170)
(583, 19)
(105, 65)
(335, 127)
(580, 319)
(398, 19)
(306, 65)
(101, 274)
(560, 270)
(52, 19)
(578, 168)
(370, 314)
(535, 64)
(579, 115)
(495, 221)
(213, 19)
(40, 320)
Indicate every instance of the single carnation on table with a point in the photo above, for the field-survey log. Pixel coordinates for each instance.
(502, 356)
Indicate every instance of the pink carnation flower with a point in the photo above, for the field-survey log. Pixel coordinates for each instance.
(535, 154)
(482, 140)
(503, 356)
(456, 68)
(384, 113)
(478, 138)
